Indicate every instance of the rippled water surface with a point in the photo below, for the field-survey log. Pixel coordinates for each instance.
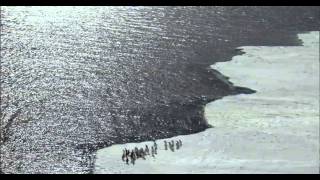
(83, 78)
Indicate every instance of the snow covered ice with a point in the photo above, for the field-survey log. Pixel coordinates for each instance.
(275, 130)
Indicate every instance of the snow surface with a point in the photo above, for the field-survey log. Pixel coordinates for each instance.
(275, 130)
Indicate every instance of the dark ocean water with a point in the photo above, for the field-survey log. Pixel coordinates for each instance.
(87, 77)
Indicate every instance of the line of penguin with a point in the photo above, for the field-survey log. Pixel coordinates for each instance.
(137, 153)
